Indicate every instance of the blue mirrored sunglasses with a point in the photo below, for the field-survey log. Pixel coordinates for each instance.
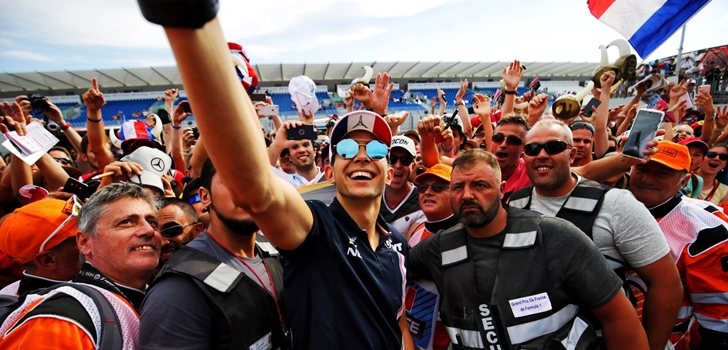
(348, 148)
(195, 199)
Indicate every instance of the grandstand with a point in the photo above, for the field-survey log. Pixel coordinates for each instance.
(134, 92)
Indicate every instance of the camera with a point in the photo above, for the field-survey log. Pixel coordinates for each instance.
(38, 101)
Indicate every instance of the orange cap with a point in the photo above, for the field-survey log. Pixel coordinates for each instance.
(439, 170)
(23, 232)
(672, 155)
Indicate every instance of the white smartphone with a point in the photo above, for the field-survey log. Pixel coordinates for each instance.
(704, 89)
(689, 102)
(643, 130)
(269, 110)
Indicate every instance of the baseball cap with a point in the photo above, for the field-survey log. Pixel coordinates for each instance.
(406, 143)
(134, 134)
(412, 133)
(155, 163)
(361, 120)
(697, 142)
(38, 227)
(672, 155)
(439, 170)
(303, 93)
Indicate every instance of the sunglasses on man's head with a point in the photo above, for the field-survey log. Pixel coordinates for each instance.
(173, 229)
(551, 148)
(510, 139)
(721, 156)
(195, 199)
(406, 160)
(348, 149)
(436, 187)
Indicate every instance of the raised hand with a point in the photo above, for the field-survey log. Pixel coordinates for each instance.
(677, 90)
(15, 118)
(537, 106)
(179, 113)
(460, 95)
(396, 120)
(607, 79)
(512, 74)
(430, 127)
(170, 95)
(120, 171)
(705, 101)
(93, 97)
(382, 90)
(441, 97)
(481, 104)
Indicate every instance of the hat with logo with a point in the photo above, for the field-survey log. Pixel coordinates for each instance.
(672, 155)
(406, 143)
(695, 142)
(243, 69)
(36, 228)
(439, 170)
(303, 94)
(361, 120)
(155, 163)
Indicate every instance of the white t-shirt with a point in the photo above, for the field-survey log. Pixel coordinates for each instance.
(623, 230)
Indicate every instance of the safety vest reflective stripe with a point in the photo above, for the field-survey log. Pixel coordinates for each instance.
(468, 338)
(581, 204)
(454, 255)
(577, 329)
(518, 240)
(712, 323)
(709, 298)
(684, 312)
(222, 277)
(534, 329)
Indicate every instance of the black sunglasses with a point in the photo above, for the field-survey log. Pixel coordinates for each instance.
(511, 139)
(551, 148)
(436, 187)
(173, 229)
(63, 161)
(406, 160)
(721, 156)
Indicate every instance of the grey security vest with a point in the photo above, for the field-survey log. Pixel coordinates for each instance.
(527, 308)
(249, 311)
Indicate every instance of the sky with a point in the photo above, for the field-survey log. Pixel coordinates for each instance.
(45, 35)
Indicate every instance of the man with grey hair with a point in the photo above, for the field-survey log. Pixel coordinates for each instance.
(120, 245)
(620, 226)
(532, 276)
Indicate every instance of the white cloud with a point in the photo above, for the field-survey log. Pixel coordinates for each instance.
(345, 37)
(25, 55)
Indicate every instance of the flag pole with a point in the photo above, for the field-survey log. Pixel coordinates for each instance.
(678, 63)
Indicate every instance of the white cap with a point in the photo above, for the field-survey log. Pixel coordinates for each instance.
(155, 163)
(303, 94)
(406, 143)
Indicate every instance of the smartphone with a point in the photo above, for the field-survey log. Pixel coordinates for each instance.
(258, 97)
(643, 130)
(594, 102)
(704, 89)
(268, 111)
(186, 106)
(686, 97)
(80, 189)
(303, 132)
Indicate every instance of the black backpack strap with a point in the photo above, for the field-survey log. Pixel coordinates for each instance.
(583, 204)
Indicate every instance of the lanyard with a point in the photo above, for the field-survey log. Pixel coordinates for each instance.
(260, 280)
(712, 192)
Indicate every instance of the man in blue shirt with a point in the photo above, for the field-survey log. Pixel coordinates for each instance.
(344, 271)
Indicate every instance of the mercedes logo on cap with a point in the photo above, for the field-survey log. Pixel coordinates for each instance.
(157, 164)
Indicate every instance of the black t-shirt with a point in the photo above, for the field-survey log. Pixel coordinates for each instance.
(572, 258)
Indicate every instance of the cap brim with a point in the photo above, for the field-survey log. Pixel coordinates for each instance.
(667, 164)
(148, 178)
(422, 176)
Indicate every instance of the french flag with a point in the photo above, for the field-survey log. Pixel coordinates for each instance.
(645, 23)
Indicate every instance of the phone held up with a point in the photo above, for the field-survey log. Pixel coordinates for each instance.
(643, 130)
(590, 106)
(303, 132)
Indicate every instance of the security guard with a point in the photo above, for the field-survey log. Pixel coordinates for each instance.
(223, 290)
(507, 280)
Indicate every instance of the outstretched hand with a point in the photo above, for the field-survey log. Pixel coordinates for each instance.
(93, 97)
(14, 117)
(512, 74)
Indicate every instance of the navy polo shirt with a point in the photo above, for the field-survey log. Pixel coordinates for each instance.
(339, 294)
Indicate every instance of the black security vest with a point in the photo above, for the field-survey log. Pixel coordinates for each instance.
(523, 281)
(581, 208)
(249, 311)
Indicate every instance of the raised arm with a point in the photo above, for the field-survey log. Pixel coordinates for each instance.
(204, 64)
(511, 77)
(601, 115)
(94, 100)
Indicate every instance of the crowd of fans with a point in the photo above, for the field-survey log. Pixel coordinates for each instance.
(512, 225)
